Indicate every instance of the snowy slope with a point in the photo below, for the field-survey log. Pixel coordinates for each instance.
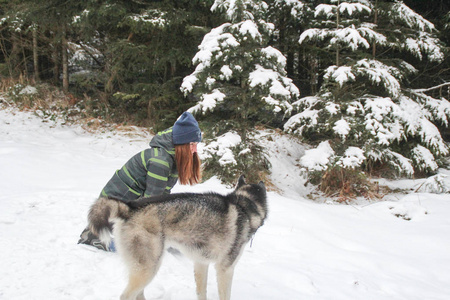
(50, 174)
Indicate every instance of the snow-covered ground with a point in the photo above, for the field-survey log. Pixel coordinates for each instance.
(398, 248)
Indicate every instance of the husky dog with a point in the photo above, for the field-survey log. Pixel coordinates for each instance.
(207, 228)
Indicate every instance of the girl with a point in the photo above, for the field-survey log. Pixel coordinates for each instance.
(172, 156)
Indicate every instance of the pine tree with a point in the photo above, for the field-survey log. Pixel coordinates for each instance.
(290, 17)
(365, 109)
(37, 27)
(241, 80)
(14, 28)
(147, 48)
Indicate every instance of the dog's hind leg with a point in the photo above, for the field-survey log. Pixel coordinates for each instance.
(142, 253)
(137, 281)
(140, 296)
(224, 279)
(201, 278)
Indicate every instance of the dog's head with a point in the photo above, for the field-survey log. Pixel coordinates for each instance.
(254, 192)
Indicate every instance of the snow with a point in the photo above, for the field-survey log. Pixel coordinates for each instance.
(363, 35)
(431, 136)
(425, 158)
(439, 107)
(325, 9)
(249, 27)
(278, 86)
(297, 7)
(342, 128)
(332, 108)
(329, 11)
(235, 10)
(410, 17)
(350, 37)
(340, 74)
(261, 76)
(188, 82)
(350, 8)
(271, 52)
(153, 17)
(226, 73)
(435, 184)
(424, 44)
(353, 158)
(208, 102)
(379, 123)
(418, 122)
(317, 159)
(218, 58)
(212, 45)
(367, 30)
(51, 174)
(398, 161)
(213, 42)
(377, 72)
(231, 7)
(308, 117)
(28, 90)
(222, 148)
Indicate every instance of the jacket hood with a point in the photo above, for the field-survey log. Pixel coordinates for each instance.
(163, 139)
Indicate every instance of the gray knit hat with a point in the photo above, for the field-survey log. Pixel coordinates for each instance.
(186, 130)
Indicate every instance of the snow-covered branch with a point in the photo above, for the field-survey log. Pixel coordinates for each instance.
(431, 88)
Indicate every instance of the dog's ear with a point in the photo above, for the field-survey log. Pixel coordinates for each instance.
(241, 182)
(261, 184)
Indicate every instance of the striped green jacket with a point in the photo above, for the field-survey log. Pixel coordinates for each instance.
(149, 173)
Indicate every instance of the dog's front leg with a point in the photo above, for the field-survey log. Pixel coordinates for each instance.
(224, 279)
(201, 278)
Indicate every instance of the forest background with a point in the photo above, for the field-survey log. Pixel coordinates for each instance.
(365, 83)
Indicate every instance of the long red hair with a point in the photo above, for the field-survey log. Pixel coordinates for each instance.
(188, 165)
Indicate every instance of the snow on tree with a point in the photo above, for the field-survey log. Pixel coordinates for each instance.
(240, 78)
(365, 103)
(236, 69)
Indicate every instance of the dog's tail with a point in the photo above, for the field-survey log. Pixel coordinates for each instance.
(103, 214)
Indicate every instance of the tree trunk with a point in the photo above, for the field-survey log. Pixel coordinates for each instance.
(55, 64)
(14, 59)
(24, 58)
(314, 66)
(65, 62)
(6, 55)
(338, 20)
(374, 45)
(55, 59)
(290, 61)
(35, 55)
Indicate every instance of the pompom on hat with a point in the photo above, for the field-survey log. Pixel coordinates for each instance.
(186, 130)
